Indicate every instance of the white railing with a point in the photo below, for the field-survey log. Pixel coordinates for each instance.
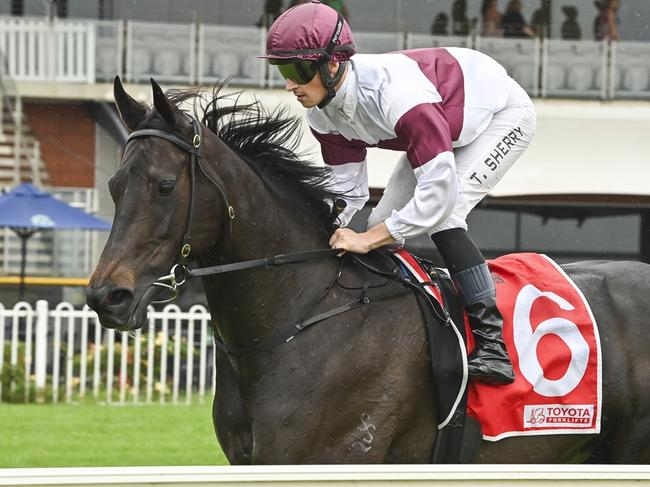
(59, 50)
(41, 50)
(334, 475)
(64, 355)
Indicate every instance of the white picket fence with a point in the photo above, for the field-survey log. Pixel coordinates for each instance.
(63, 354)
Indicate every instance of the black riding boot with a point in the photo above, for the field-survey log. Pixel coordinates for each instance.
(489, 361)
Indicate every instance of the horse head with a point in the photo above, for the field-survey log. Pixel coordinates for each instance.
(152, 191)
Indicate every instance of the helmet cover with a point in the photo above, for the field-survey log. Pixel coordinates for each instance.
(305, 31)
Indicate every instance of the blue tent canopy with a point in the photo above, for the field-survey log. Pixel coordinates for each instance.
(26, 206)
(26, 210)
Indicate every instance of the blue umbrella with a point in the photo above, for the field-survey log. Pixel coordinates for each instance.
(26, 210)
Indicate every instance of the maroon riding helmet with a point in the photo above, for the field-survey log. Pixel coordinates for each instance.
(304, 39)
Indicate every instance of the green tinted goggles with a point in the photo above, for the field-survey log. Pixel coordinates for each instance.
(301, 72)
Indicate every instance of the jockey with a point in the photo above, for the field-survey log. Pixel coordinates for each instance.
(461, 122)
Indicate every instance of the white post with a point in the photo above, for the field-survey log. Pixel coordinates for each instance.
(264, 68)
(136, 365)
(41, 348)
(84, 356)
(2, 343)
(90, 53)
(202, 361)
(190, 362)
(200, 32)
(177, 359)
(163, 358)
(69, 360)
(151, 339)
(18, 131)
(96, 361)
(124, 376)
(193, 51)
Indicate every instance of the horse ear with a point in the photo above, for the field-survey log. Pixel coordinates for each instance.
(131, 111)
(168, 110)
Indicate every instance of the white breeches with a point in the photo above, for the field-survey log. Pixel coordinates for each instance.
(479, 165)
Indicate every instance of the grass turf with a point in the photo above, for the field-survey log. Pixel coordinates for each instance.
(91, 435)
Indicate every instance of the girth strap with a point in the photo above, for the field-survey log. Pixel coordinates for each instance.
(440, 312)
(288, 333)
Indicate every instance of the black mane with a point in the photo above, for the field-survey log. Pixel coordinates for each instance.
(267, 142)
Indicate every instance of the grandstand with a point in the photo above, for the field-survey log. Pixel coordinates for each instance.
(579, 192)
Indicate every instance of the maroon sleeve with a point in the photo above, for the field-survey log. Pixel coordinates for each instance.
(336, 149)
(425, 132)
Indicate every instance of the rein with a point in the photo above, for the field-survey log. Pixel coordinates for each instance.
(180, 272)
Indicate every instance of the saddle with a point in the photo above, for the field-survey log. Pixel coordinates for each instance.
(459, 436)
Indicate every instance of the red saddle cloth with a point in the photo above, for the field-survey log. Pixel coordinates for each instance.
(552, 339)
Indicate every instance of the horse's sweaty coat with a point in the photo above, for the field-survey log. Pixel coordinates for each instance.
(362, 378)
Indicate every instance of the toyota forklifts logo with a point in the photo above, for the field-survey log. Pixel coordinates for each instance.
(552, 415)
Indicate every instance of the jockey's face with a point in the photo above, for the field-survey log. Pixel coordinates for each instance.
(313, 92)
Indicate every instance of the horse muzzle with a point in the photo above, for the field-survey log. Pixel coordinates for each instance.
(117, 307)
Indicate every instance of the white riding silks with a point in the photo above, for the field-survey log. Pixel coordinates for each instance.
(433, 200)
(351, 182)
(424, 103)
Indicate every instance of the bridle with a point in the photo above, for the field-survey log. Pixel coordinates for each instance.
(180, 272)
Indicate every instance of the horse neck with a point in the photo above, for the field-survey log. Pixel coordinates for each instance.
(250, 304)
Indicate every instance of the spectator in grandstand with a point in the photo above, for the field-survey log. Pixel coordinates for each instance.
(513, 23)
(17, 8)
(459, 20)
(272, 10)
(460, 123)
(571, 30)
(490, 19)
(440, 25)
(606, 22)
(540, 23)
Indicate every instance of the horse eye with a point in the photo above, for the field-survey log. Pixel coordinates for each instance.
(166, 186)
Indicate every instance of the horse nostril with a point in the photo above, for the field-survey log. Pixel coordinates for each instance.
(108, 299)
(117, 297)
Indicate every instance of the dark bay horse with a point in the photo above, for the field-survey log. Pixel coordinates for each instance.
(356, 388)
